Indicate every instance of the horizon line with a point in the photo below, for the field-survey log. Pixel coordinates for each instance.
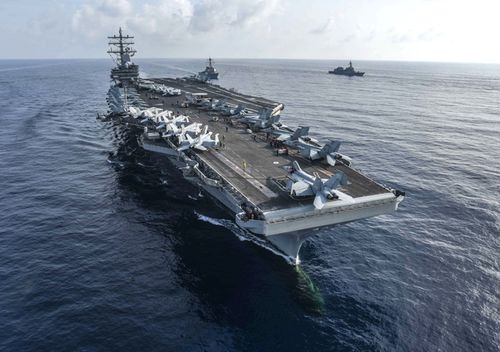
(261, 58)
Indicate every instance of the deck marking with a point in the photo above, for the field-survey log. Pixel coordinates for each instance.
(358, 184)
(246, 175)
(234, 98)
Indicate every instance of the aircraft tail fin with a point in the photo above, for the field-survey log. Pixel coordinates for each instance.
(300, 132)
(331, 147)
(307, 152)
(330, 159)
(239, 109)
(274, 119)
(317, 184)
(265, 114)
(336, 181)
(296, 166)
(319, 200)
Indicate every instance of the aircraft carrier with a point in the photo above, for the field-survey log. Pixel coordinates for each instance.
(278, 182)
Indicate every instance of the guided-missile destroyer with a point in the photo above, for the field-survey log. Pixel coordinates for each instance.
(278, 182)
(348, 71)
(210, 73)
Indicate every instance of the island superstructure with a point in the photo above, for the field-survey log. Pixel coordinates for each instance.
(278, 182)
(121, 51)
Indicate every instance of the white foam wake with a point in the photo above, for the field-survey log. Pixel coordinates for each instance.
(243, 235)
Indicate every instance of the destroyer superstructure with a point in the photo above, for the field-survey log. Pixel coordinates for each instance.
(209, 74)
(278, 182)
(348, 71)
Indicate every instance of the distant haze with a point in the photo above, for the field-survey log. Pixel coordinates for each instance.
(414, 30)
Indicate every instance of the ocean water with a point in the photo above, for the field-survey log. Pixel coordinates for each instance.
(104, 247)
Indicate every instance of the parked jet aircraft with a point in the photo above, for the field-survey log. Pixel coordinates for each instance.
(329, 152)
(175, 121)
(193, 129)
(137, 113)
(301, 184)
(232, 110)
(264, 119)
(203, 142)
(286, 134)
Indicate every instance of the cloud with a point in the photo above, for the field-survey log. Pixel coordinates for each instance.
(48, 22)
(115, 8)
(326, 27)
(370, 36)
(401, 38)
(249, 13)
(208, 15)
(428, 35)
(171, 19)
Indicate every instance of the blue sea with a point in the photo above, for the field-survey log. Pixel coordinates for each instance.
(104, 247)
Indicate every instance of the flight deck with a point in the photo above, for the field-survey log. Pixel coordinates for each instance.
(246, 159)
(279, 182)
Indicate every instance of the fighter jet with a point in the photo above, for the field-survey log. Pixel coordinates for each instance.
(134, 112)
(157, 116)
(284, 133)
(210, 104)
(195, 98)
(264, 123)
(301, 184)
(164, 90)
(279, 128)
(219, 105)
(193, 130)
(176, 121)
(203, 103)
(169, 92)
(304, 141)
(137, 113)
(203, 142)
(329, 151)
(232, 110)
(264, 119)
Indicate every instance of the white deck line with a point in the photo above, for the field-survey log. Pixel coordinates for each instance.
(264, 189)
(233, 97)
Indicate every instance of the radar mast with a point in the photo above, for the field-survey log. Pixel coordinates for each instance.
(121, 51)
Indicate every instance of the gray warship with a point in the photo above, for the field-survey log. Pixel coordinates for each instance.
(210, 73)
(277, 182)
(348, 71)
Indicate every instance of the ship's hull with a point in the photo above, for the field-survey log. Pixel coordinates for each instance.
(213, 75)
(357, 74)
(289, 231)
(260, 205)
(285, 229)
(177, 159)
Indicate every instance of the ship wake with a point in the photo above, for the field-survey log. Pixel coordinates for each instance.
(243, 235)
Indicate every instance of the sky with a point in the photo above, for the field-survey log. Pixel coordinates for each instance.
(406, 30)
